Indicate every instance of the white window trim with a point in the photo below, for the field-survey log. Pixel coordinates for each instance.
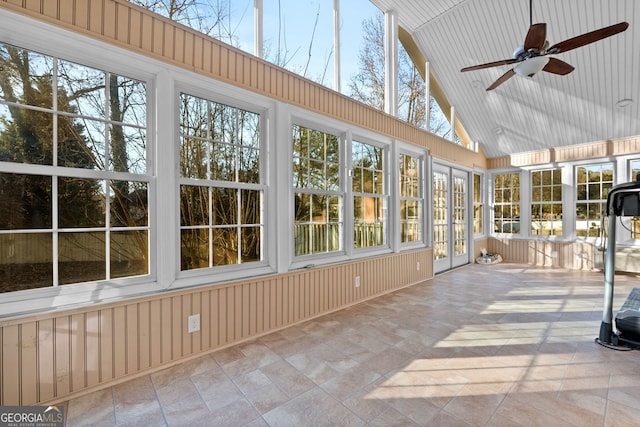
(574, 194)
(386, 195)
(197, 86)
(426, 193)
(565, 230)
(114, 60)
(491, 207)
(484, 197)
(309, 121)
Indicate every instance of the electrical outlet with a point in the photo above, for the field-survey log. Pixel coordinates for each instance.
(418, 265)
(554, 254)
(357, 281)
(194, 323)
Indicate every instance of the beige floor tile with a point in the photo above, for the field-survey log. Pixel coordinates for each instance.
(136, 400)
(525, 415)
(495, 346)
(287, 378)
(317, 370)
(184, 412)
(393, 418)
(445, 419)
(625, 389)
(350, 382)
(621, 416)
(237, 413)
(365, 405)
(93, 409)
(216, 389)
(178, 390)
(475, 409)
(312, 408)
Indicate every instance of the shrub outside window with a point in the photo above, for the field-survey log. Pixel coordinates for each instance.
(546, 202)
(411, 200)
(318, 199)
(506, 206)
(221, 185)
(74, 206)
(369, 196)
(593, 183)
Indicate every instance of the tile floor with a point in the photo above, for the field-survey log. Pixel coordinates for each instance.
(501, 345)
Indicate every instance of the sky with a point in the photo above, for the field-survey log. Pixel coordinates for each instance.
(296, 27)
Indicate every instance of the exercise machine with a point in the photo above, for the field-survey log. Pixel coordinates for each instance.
(623, 200)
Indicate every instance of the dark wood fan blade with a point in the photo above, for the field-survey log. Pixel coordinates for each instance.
(490, 64)
(587, 38)
(536, 36)
(557, 66)
(506, 76)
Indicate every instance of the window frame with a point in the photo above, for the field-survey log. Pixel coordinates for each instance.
(239, 269)
(519, 204)
(122, 63)
(424, 189)
(539, 203)
(587, 201)
(479, 204)
(385, 195)
(340, 192)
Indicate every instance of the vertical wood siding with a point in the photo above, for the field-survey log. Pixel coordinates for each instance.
(542, 253)
(592, 150)
(47, 358)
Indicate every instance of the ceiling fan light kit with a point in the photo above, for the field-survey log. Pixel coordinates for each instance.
(532, 57)
(531, 66)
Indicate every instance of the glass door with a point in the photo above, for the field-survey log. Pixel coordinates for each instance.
(450, 218)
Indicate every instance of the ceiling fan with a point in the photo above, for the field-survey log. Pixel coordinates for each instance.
(531, 57)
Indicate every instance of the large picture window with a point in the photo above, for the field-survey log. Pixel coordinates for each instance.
(369, 195)
(221, 185)
(411, 199)
(73, 173)
(593, 183)
(506, 206)
(546, 202)
(318, 195)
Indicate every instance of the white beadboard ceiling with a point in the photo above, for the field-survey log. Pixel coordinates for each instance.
(546, 111)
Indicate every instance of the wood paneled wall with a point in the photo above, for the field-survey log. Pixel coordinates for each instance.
(124, 24)
(48, 358)
(544, 253)
(594, 150)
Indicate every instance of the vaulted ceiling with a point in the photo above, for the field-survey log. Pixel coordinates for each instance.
(545, 111)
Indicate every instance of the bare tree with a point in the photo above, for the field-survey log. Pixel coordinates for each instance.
(209, 17)
(367, 85)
